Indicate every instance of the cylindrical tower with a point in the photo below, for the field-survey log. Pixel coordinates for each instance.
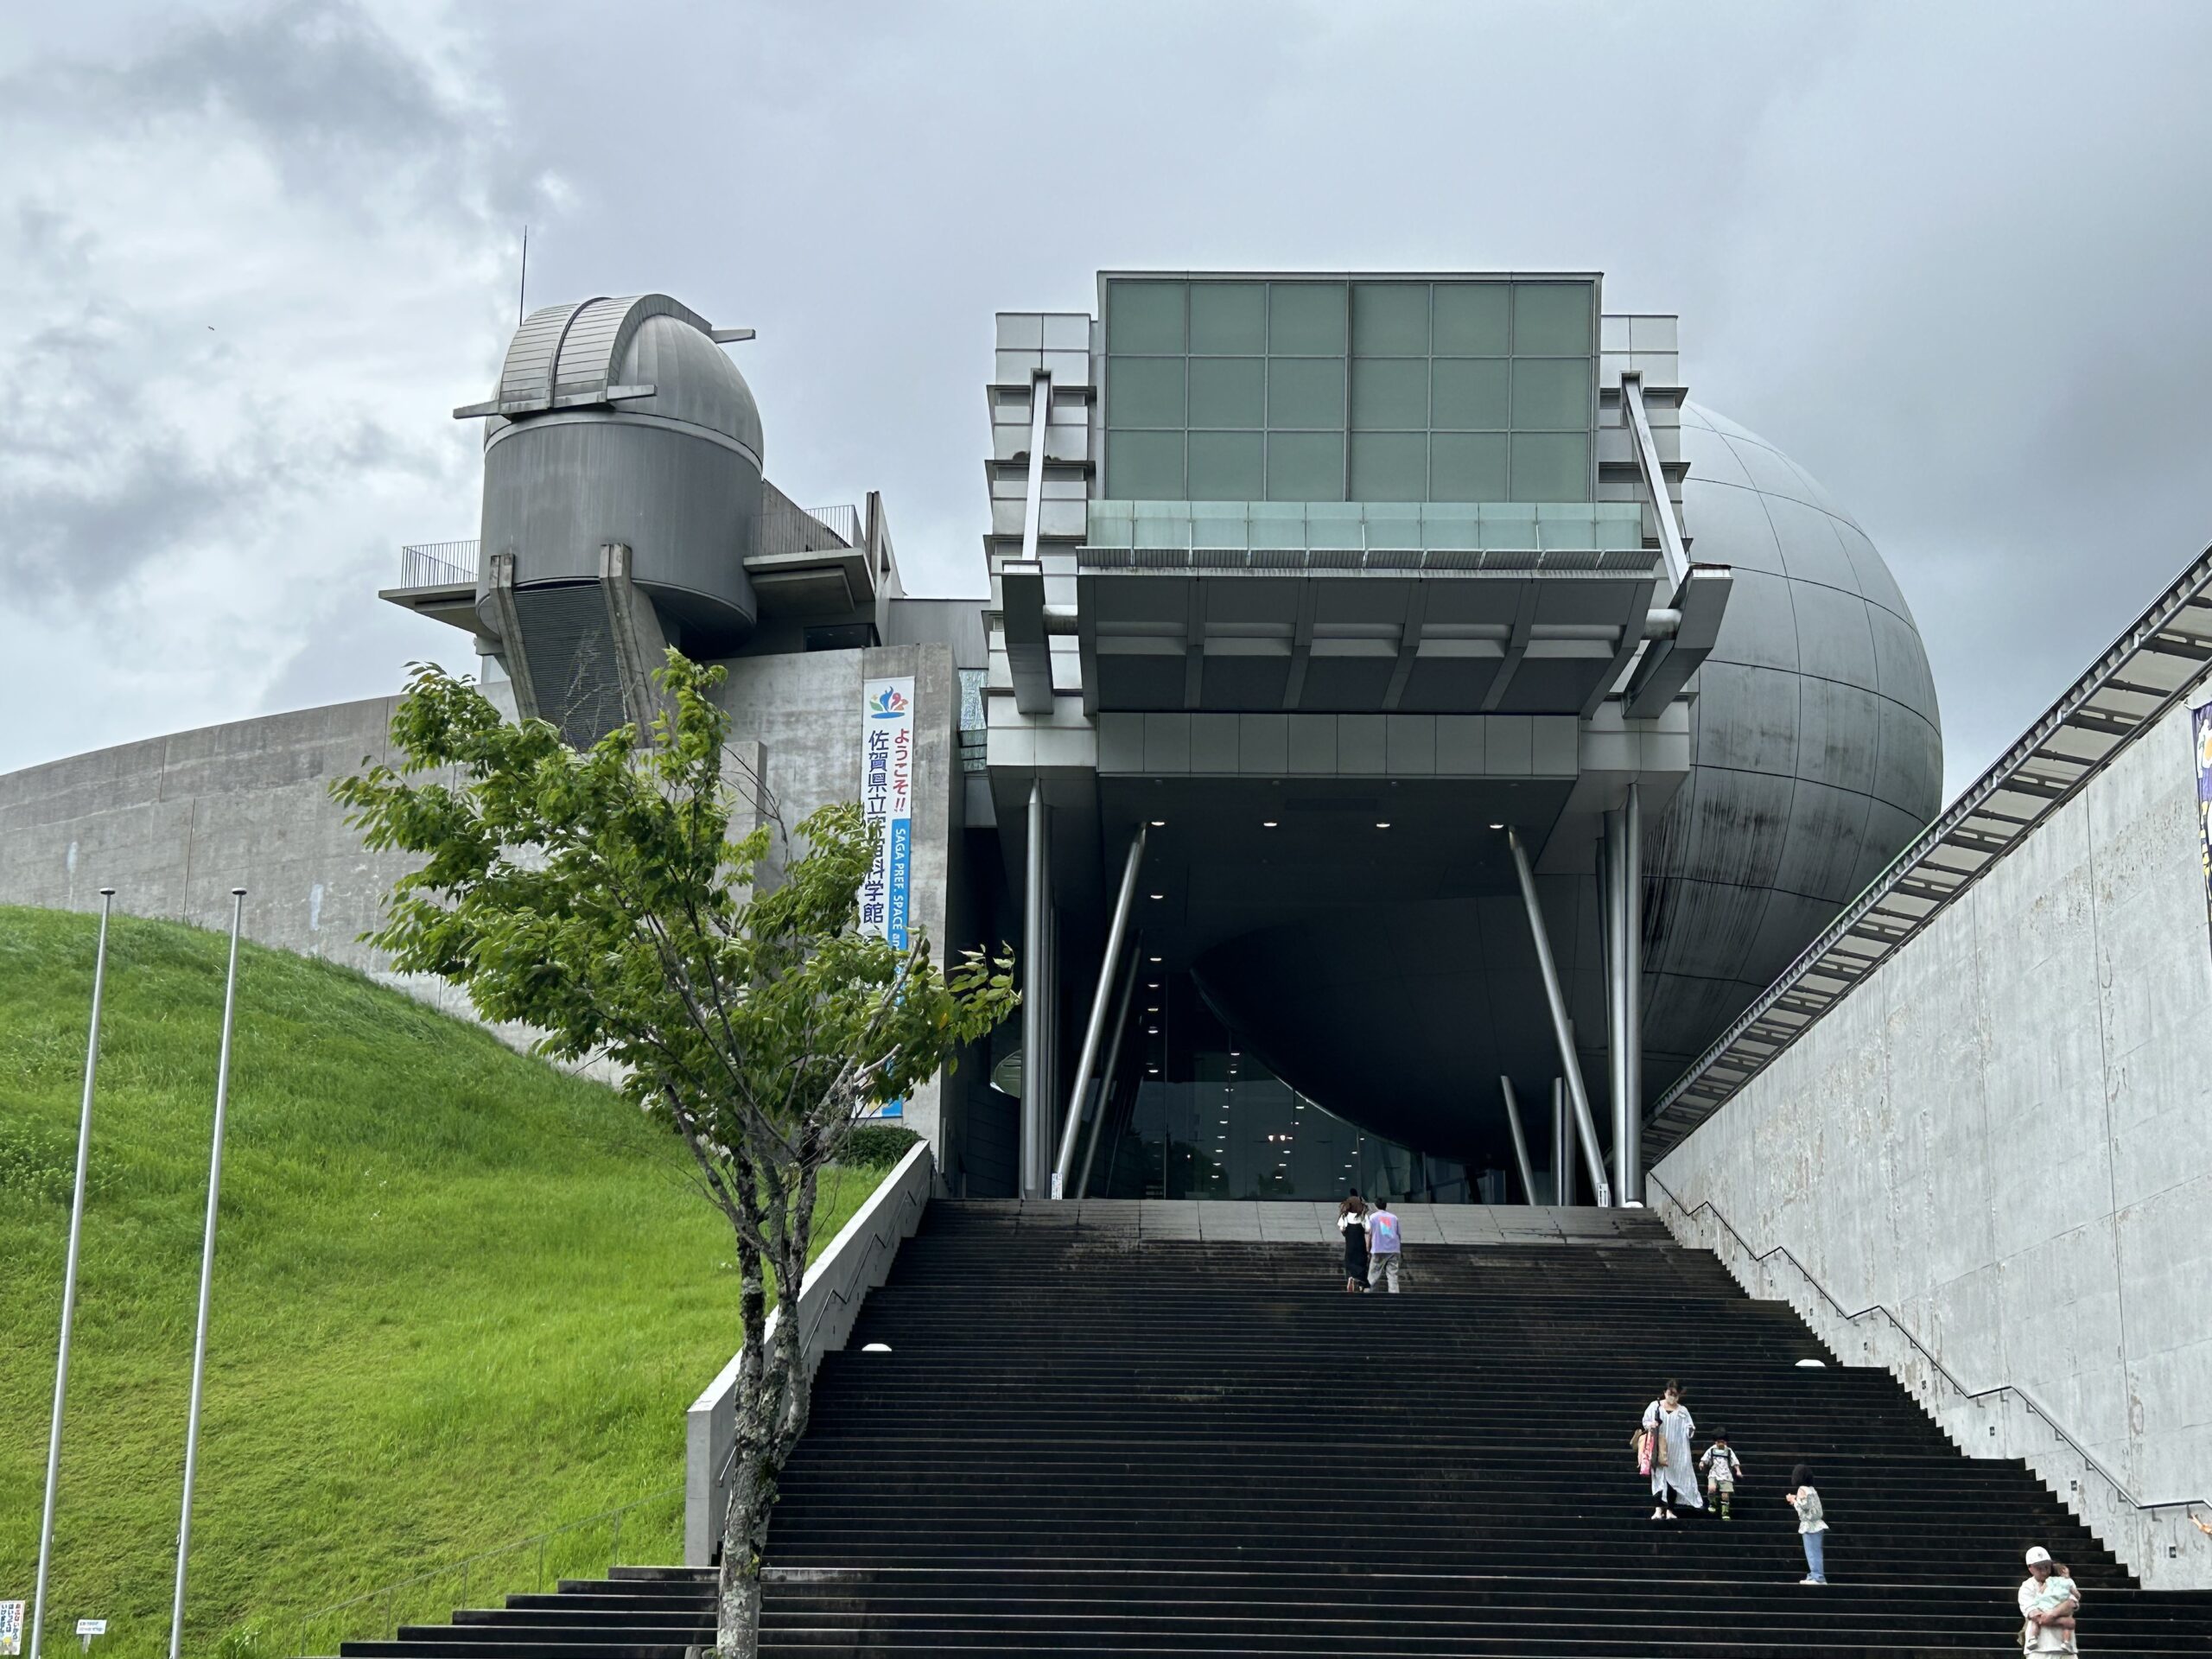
(619, 423)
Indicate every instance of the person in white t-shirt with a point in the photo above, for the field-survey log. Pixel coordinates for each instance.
(1382, 1246)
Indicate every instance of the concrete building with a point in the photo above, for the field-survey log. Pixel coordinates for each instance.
(1409, 743)
(1381, 675)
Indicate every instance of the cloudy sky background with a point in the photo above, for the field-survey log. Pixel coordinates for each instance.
(1951, 257)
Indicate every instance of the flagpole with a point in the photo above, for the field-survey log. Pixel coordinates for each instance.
(69, 1280)
(207, 1281)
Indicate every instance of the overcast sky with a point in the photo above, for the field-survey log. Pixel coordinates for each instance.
(1952, 258)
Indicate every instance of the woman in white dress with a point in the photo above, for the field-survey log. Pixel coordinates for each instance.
(1674, 1471)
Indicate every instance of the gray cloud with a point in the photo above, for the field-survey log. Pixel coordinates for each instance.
(1950, 258)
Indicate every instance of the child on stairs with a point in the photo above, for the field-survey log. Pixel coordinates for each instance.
(1723, 1468)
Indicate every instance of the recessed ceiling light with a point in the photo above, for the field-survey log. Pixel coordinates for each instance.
(1160, 823)
(1155, 959)
(1267, 823)
(1151, 1030)
(1497, 826)
(1382, 823)
(1154, 1070)
(1152, 984)
(1159, 895)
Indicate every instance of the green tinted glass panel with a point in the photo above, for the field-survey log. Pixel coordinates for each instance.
(1145, 466)
(1144, 316)
(1551, 391)
(1306, 467)
(1470, 319)
(1390, 391)
(1228, 391)
(1551, 466)
(1390, 319)
(1389, 466)
(1229, 317)
(1306, 391)
(1471, 392)
(1551, 317)
(1305, 317)
(1226, 467)
(1144, 391)
(1466, 466)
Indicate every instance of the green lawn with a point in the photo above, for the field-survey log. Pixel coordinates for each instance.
(460, 1297)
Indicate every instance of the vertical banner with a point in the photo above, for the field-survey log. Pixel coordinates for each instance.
(2200, 730)
(887, 802)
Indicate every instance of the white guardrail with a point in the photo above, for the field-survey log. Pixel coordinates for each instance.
(857, 1260)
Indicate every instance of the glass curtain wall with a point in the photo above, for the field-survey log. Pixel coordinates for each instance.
(1383, 390)
(1197, 1116)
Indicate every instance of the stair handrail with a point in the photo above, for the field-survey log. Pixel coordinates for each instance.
(2036, 1408)
(385, 1593)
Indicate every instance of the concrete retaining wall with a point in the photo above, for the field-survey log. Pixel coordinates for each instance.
(2004, 1137)
(173, 823)
(856, 1261)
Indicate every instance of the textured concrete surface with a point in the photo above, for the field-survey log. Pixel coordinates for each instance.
(2004, 1137)
(173, 823)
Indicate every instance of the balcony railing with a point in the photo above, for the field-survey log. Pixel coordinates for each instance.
(783, 529)
(438, 564)
(786, 529)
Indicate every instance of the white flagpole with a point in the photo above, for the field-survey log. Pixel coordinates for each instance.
(206, 1280)
(69, 1280)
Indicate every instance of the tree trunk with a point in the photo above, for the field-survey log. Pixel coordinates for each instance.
(745, 1524)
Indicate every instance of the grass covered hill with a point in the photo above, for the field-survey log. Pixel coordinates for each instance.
(460, 1296)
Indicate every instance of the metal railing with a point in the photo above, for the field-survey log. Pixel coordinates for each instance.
(1392, 559)
(438, 564)
(376, 1615)
(788, 529)
(2033, 1407)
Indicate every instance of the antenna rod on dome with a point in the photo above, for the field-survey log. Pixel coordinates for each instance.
(522, 288)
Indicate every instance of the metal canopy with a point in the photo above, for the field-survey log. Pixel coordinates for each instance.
(1254, 631)
(2147, 670)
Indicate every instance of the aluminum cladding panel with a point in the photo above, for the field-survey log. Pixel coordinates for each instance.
(1818, 747)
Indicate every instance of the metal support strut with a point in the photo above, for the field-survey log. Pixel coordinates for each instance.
(1562, 1032)
(1623, 902)
(1117, 932)
(1036, 993)
(1562, 1146)
(1111, 1070)
(1520, 1141)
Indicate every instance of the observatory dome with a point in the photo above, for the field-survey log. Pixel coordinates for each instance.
(622, 421)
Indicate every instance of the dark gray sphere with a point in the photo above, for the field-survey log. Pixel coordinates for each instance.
(1818, 751)
(1816, 757)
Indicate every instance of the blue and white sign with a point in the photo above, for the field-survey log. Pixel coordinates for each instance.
(887, 802)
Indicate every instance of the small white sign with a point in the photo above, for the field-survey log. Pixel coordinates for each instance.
(92, 1627)
(11, 1629)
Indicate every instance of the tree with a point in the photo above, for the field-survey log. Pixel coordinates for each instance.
(597, 896)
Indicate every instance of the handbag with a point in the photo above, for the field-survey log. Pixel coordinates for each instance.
(1640, 1442)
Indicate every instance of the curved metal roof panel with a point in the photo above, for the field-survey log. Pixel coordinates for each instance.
(569, 355)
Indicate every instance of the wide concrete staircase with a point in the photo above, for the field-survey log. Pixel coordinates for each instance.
(1163, 1428)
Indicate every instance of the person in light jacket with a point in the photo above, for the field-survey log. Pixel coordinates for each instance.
(1812, 1523)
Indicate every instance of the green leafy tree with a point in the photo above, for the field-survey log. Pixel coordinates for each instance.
(598, 896)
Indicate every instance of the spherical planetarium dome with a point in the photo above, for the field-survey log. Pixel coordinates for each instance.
(1815, 758)
(1817, 750)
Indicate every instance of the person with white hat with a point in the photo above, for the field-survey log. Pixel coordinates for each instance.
(2040, 1629)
